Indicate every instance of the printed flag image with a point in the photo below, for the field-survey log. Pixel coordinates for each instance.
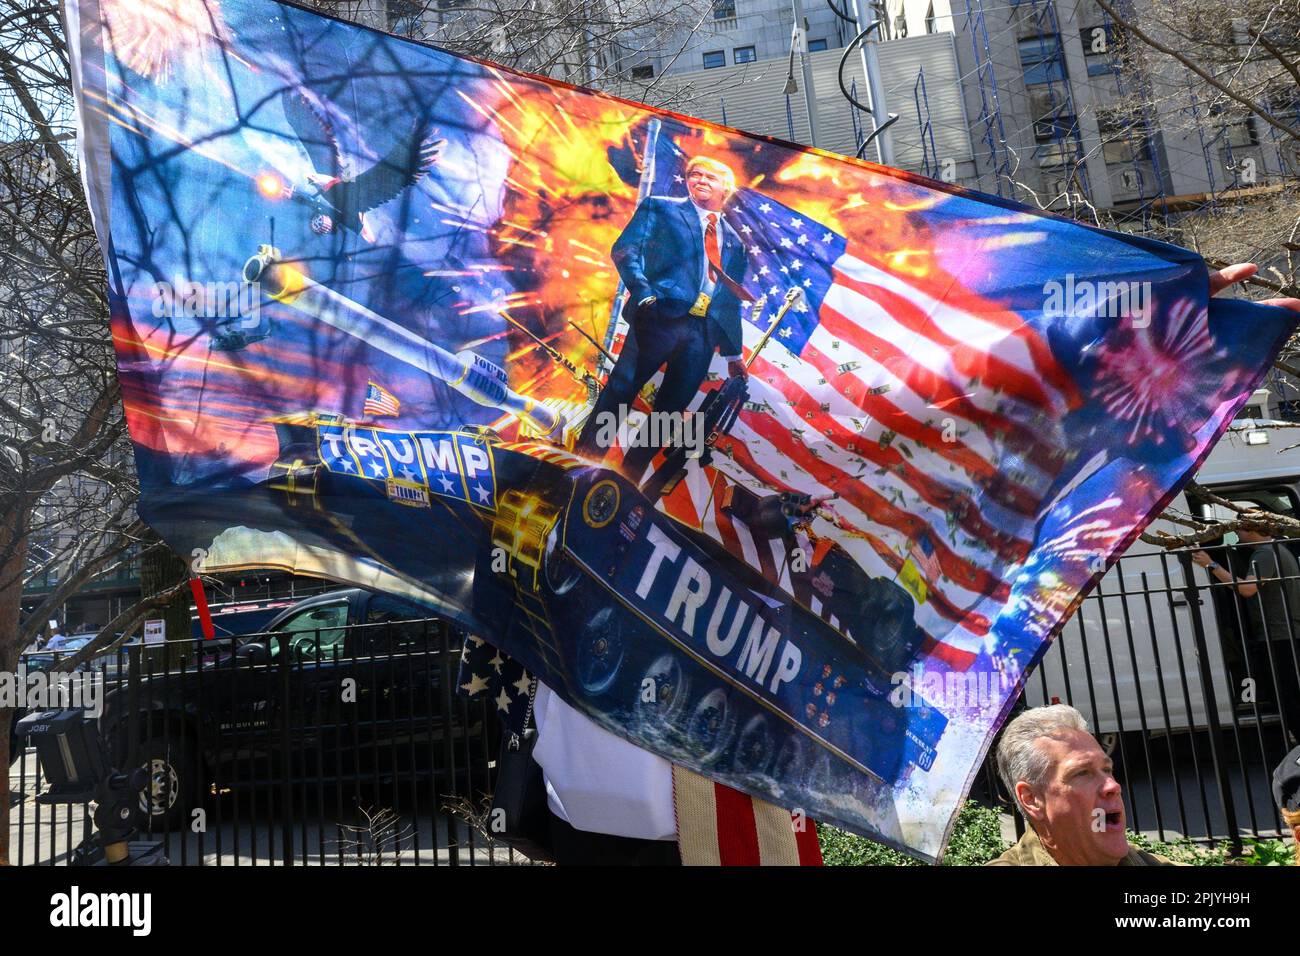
(726, 440)
(380, 401)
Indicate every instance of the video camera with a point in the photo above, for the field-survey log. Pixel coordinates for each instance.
(76, 764)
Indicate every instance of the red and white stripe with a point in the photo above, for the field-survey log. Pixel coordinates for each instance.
(945, 423)
(719, 826)
(954, 633)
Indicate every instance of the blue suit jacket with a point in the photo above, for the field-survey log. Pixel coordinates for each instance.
(661, 253)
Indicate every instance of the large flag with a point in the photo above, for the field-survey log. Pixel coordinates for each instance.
(901, 427)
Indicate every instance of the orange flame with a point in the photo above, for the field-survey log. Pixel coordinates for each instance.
(270, 185)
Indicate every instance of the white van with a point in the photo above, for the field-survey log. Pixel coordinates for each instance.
(1141, 671)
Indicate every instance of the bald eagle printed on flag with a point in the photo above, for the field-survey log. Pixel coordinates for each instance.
(743, 448)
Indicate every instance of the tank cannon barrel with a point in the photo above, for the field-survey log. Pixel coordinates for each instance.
(471, 374)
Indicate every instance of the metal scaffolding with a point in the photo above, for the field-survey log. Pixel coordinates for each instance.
(1133, 85)
(994, 134)
(1195, 110)
(1062, 115)
(929, 155)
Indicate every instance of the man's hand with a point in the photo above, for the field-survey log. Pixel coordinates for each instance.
(1229, 276)
(736, 368)
(1201, 559)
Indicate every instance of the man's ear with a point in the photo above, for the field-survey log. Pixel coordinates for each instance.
(1030, 802)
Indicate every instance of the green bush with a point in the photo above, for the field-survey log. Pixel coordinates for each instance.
(1183, 850)
(975, 840)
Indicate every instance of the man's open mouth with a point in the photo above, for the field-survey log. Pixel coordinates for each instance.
(1114, 819)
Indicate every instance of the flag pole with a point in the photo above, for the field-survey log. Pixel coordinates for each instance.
(791, 294)
(604, 363)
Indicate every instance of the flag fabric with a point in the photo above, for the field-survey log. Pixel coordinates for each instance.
(719, 826)
(955, 411)
(380, 401)
(716, 824)
(896, 380)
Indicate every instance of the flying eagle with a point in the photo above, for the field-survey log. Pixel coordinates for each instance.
(341, 200)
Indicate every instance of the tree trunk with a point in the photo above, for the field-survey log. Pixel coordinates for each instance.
(161, 569)
(13, 558)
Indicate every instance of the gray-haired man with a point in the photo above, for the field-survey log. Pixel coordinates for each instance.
(1063, 784)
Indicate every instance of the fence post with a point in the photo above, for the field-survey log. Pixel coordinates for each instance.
(445, 690)
(1211, 702)
(286, 757)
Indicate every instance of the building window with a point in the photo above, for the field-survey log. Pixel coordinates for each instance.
(1122, 140)
(1055, 132)
(1098, 48)
(929, 19)
(1053, 127)
(714, 59)
(1241, 134)
(724, 9)
(815, 45)
(1041, 59)
(1235, 127)
(643, 72)
(743, 54)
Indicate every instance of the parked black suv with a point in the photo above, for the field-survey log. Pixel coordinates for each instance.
(346, 689)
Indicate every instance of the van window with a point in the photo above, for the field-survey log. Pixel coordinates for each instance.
(1279, 499)
(394, 626)
(322, 626)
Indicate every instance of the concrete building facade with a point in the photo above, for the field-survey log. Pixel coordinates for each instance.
(1029, 99)
(1056, 108)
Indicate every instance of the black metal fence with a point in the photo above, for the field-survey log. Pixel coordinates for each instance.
(334, 746)
(1194, 681)
(349, 745)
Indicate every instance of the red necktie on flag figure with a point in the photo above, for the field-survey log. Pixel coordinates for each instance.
(711, 247)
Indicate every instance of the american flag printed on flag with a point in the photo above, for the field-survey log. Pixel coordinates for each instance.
(380, 401)
(929, 415)
(922, 554)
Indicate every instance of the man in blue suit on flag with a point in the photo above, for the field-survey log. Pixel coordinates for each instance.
(682, 264)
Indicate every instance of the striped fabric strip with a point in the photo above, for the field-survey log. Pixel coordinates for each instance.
(719, 826)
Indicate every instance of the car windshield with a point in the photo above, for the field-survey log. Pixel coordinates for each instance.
(74, 643)
(309, 634)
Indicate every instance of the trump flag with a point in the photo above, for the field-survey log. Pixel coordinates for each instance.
(727, 440)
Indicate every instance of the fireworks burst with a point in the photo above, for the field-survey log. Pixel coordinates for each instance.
(151, 36)
(1145, 376)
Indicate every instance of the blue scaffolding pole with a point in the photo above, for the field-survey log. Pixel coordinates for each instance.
(1229, 159)
(1045, 13)
(994, 134)
(1141, 91)
(929, 155)
(1200, 135)
(1291, 116)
